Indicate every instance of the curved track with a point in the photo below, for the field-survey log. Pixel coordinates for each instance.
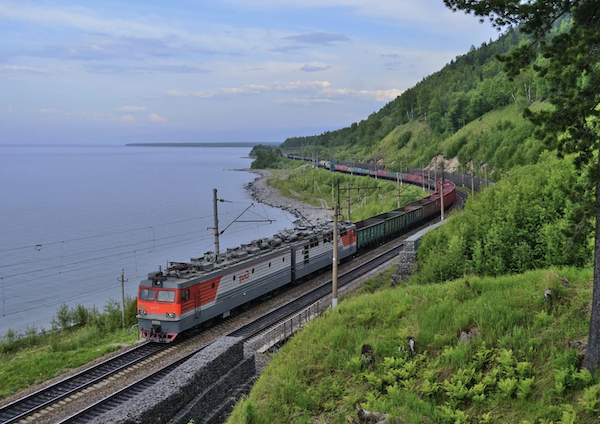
(28, 405)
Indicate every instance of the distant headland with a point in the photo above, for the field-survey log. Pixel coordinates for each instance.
(234, 144)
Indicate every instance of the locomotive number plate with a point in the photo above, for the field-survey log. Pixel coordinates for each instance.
(155, 322)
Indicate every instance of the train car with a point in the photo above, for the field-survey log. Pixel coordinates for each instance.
(187, 294)
(395, 222)
(316, 253)
(370, 231)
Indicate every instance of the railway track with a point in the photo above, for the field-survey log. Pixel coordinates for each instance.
(246, 332)
(17, 411)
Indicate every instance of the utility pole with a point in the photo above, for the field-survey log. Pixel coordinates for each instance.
(334, 295)
(429, 179)
(423, 178)
(472, 179)
(123, 296)
(398, 186)
(435, 177)
(216, 227)
(442, 195)
(348, 198)
(401, 179)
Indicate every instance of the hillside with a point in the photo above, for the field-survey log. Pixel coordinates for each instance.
(489, 350)
(448, 114)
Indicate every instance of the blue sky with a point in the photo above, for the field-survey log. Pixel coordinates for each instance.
(113, 72)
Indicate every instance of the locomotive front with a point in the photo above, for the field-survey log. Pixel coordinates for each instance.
(159, 308)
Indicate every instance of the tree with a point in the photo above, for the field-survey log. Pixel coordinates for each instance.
(571, 66)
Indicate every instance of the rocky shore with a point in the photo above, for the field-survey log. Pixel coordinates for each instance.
(264, 193)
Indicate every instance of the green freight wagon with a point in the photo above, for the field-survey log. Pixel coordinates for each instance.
(395, 222)
(414, 214)
(370, 231)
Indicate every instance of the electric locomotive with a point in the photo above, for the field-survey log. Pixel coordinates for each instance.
(187, 294)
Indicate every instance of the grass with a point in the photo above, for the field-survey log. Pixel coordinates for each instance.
(521, 365)
(54, 354)
(310, 185)
(80, 335)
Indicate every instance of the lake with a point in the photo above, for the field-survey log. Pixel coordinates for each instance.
(73, 218)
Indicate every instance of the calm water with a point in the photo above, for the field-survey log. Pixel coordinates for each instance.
(73, 217)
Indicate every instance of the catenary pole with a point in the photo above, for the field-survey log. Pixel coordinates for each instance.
(123, 296)
(334, 282)
(398, 186)
(348, 198)
(442, 193)
(216, 227)
(472, 178)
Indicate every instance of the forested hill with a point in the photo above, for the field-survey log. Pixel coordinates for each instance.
(435, 109)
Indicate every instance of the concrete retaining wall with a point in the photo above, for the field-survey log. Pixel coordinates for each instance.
(196, 389)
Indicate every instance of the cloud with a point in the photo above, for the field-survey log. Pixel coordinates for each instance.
(391, 56)
(51, 110)
(304, 102)
(318, 38)
(145, 69)
(102, 48)
(127, 118)
(131, 108)
(430, 13)
(315, 67)
(253, 89)
(81, 19)
(157, 118)
(21, 69)
(377, 95)
(392, 66)
(287, 49)
(321, 88)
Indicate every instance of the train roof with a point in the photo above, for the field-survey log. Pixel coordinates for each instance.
(208, 266)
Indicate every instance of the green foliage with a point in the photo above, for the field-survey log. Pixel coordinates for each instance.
(269, 157)
(590, 399)
(502, 375)
(313, 185)
(403, 139)
(523, 222)
(80, 335)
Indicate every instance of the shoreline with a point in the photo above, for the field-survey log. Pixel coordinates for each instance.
(260, 191)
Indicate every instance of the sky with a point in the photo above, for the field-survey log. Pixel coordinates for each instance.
(117, 71)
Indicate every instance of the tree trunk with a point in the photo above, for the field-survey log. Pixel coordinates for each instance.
(592, 354)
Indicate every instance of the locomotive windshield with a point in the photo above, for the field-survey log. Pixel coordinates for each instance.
(166, 296)
(147, 294)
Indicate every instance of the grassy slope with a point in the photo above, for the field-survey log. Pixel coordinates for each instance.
(42, 357)
(520, 366)
(312, 184)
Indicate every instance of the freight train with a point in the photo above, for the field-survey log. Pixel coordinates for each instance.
(188, 294)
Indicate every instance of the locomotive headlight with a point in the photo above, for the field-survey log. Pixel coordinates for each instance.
(170, 315)
(142, 312)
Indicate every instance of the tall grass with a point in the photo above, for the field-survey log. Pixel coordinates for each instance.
(79, 335)
(520, 365)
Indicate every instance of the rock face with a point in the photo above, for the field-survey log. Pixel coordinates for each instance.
(200, 389)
